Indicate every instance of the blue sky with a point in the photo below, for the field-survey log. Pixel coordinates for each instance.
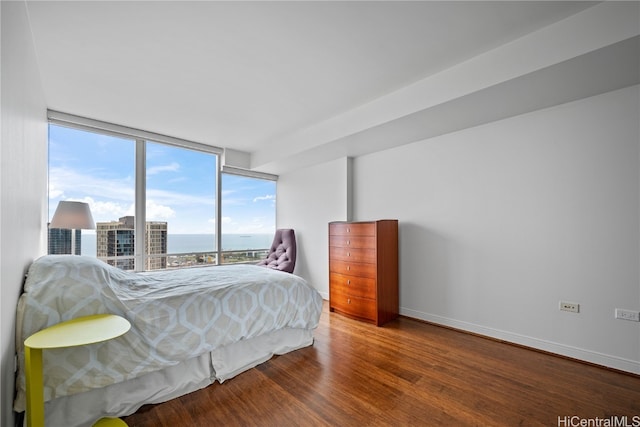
(99, 170)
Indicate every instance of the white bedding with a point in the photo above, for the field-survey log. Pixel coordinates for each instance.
(176, 315)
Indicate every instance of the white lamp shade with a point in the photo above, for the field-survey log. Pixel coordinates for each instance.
(72, 215)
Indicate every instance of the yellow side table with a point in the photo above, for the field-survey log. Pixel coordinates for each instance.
(72, 333)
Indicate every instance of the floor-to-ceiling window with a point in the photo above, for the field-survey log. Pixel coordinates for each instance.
(155, 203)
(248, 217)
(180, 206)
(97, 169)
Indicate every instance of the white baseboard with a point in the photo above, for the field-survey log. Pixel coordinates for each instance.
(590, 356)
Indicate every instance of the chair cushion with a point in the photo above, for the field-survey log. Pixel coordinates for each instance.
(282, 254)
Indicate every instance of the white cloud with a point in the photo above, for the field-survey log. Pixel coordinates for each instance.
(54, 193)
(69, 182)
(107, 211)
(172, 167)
(180, 199)
(267, 197)
(158, 212)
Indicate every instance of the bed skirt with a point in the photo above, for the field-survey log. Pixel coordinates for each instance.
(125, 398)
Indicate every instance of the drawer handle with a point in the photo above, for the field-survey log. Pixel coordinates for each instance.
(348, 267)
(348, 281)
(348, 230)
(348, 300)
(348, 253)
(348, 242)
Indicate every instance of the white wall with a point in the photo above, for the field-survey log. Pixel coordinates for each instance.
(23, 180)
(307, 201)
(500, 222)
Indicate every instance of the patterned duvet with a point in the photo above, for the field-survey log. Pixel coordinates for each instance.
(175, 315)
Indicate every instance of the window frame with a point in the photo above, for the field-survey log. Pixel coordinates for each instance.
(140, 138)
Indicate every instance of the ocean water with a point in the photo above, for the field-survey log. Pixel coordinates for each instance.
(182, 243)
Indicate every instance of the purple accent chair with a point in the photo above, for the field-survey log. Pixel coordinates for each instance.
(282, 254)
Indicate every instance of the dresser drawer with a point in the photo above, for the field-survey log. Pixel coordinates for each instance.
(352, 229)
(353, 305)
(352, 285)
(353, 268)
(352, 241)
(352, 254)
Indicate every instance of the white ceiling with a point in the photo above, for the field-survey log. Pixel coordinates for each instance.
(246, 75)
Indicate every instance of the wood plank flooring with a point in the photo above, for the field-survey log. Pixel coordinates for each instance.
(406, 373)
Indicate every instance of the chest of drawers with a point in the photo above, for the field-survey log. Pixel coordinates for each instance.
(363, 270)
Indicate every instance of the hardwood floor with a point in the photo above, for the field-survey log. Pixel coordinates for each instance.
(406, 373)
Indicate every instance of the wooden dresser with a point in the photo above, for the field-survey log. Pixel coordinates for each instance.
(363, 269)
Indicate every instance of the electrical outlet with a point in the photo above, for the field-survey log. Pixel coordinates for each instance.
(631, 315)
(570, 306)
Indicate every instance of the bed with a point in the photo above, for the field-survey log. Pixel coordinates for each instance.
(190, 327)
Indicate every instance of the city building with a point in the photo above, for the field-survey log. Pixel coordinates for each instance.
(60, 241)
(115, 243)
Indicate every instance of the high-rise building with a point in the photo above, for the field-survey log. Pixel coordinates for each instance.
(115, 243)
(60, 241)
